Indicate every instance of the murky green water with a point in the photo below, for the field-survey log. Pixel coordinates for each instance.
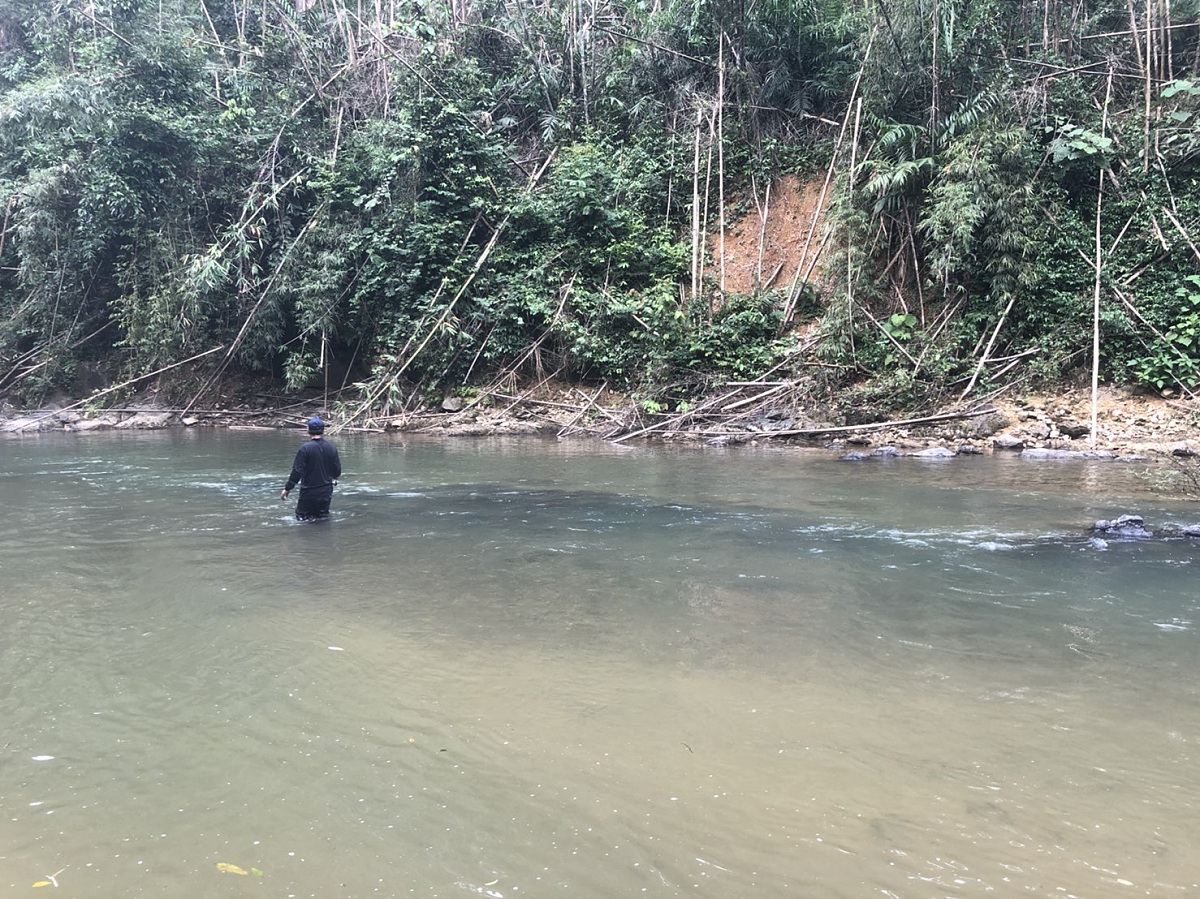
(533, 669)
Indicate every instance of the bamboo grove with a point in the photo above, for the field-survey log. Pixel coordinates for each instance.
(405, 198)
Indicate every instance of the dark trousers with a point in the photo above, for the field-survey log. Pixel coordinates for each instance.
(313, 504)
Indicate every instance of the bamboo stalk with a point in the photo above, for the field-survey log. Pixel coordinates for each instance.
(757, 397)
(591, 401)
(392, 376)
(850, 243)
(607, 413)
(265, 292)
(696, 206)
(691, 413)
(496, 394)
(534, 349)
(764, 213)
(721, 155)
(941, 418)
(1149, 86)
(757, 383)
(1183, 232)
(1099, 250)
(801, 269)
(131, 381)
(988, 349)
(1133, 310)
(708, 164)
(884, 331)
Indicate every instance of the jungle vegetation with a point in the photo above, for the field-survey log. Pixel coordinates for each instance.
(409, 197)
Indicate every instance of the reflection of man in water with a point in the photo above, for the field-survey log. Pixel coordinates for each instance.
(316, 470)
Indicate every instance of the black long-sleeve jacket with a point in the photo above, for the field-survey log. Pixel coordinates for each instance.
(316, 466)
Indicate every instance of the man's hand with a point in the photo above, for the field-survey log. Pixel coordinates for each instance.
(283, 494)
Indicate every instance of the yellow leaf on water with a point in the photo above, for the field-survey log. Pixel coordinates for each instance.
(42, 883)
(226, 868)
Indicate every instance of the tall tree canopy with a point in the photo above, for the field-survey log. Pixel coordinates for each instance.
(413, 195)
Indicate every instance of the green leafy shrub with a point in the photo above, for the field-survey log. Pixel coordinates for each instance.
(741, 341)
(1175, 359)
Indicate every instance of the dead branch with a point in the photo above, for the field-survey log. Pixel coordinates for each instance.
(847, 429)
(590, 404)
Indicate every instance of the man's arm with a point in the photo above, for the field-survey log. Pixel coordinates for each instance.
(296, 476)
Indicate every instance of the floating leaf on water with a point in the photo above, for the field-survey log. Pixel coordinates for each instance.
(42, 883)
(256, 872)
(226, 868)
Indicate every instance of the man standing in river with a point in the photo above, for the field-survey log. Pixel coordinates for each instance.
(316, 469)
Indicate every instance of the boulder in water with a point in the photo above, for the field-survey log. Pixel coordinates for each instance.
(934, 452)
(1132, 526)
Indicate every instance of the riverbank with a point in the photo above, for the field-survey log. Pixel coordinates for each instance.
(1130, 423)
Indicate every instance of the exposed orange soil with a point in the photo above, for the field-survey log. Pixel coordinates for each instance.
(774, 242)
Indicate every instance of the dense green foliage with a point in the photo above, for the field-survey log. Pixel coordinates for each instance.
(416, 196)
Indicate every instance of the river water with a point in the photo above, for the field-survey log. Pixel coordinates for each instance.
(526, 669)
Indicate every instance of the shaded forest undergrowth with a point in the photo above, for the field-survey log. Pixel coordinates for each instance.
(794, 402)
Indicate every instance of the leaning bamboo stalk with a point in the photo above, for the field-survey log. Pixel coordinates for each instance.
(4, 382)
(764, 213)
(708, 164)
(132, 381)
(1183, 232)
(758, 383)
(392, 376)
(988, 349)
(884, 331)
(1170, 344)
(606, 413)
(941, 418)
(591, 401)
(1135, 312)
(525, 397)
(939, 324)
(263, 294)
(721, 156)
(801, 270)
(1016, 360)
(850, 243)
(1096, 288)
(696, 206)
(678, 419)
(479, 263)
(12, 377)
(757, 397)
(534, 348)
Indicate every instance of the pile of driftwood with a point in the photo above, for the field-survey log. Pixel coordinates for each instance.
(739, 411)
(770, 411)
